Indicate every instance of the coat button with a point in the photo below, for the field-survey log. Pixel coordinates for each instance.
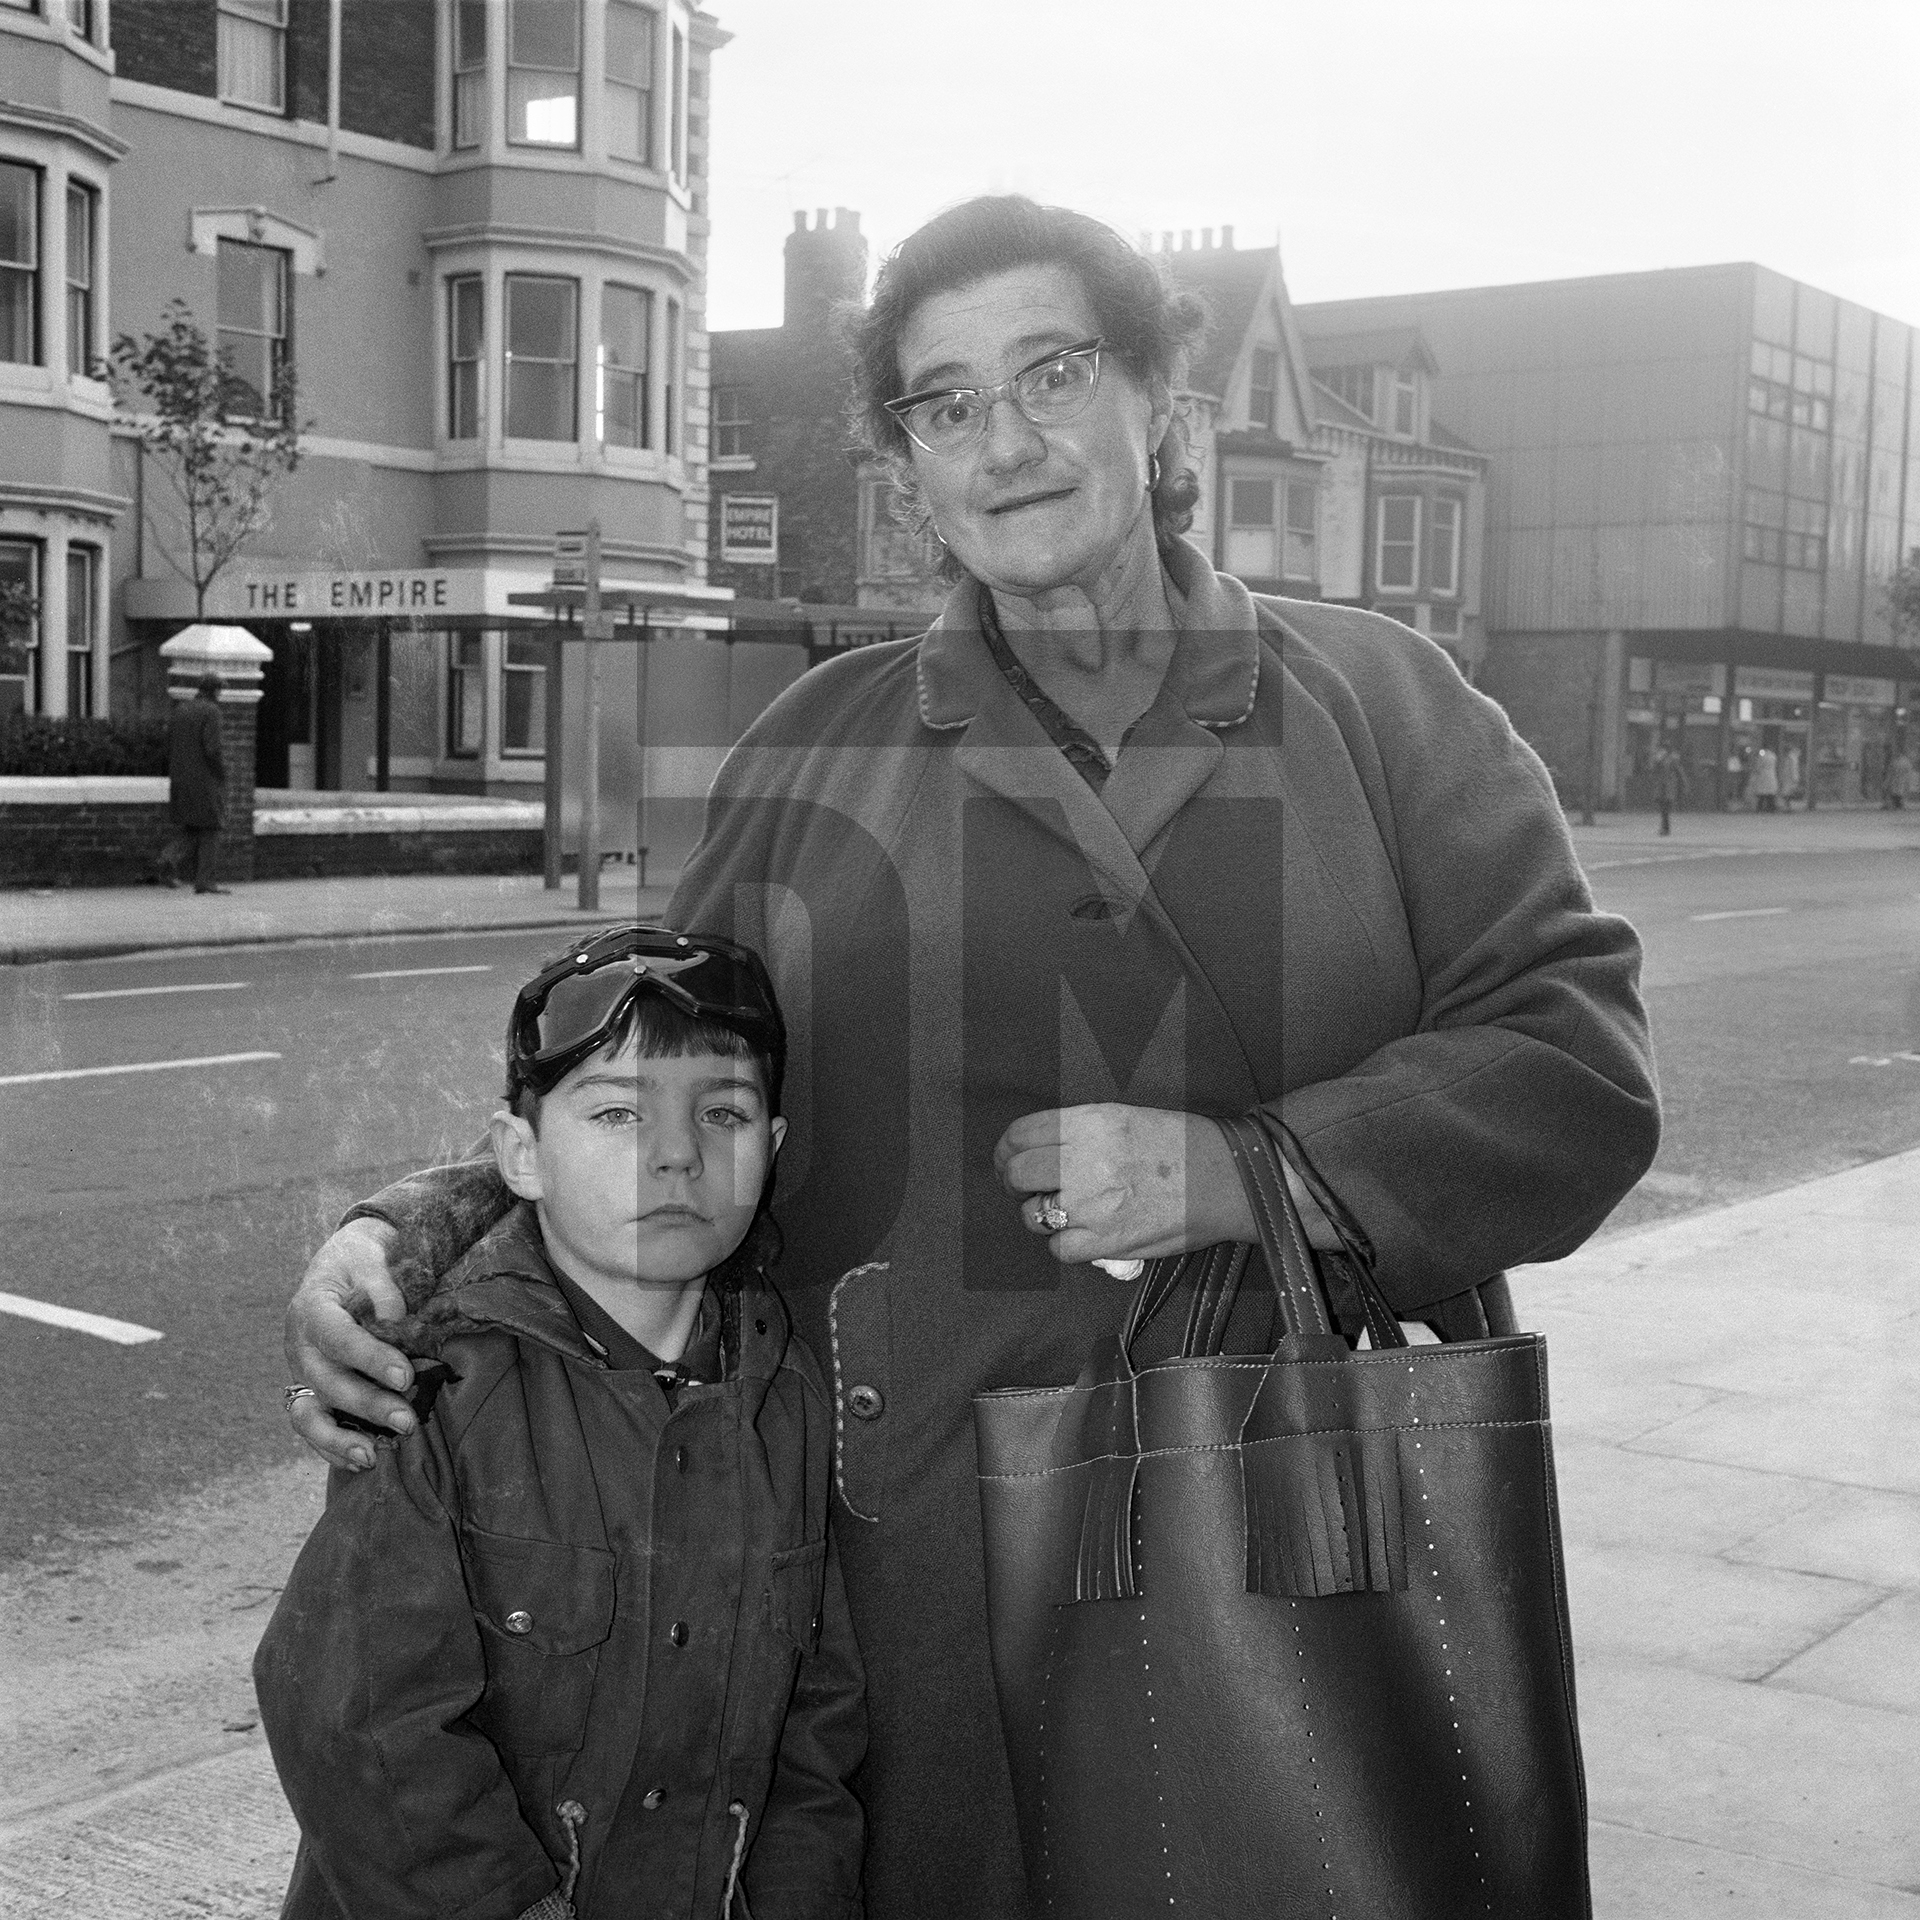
(518, 1622)
(652, 1798)
(677, 1633)
(867, 1403)
(679, 1459)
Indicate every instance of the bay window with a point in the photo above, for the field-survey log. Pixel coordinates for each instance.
(83, 573)
(466, 350)
(466, 695)
(620, 400)
(523, 694)
(81, 225)
(1301, 556)
(1443, 546)
(542, 332)
(19, 263)
(253, 54)
(543, 73)
(469, 73)
(1397, 543)
(670, 382)
(1253, 547)
(629, 83)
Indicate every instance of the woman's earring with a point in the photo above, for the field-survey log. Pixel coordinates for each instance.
(1153, 471)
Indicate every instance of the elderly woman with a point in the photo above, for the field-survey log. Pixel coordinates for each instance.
(1114, 848)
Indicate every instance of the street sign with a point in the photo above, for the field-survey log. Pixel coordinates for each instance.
(750, 528)
(570, 559)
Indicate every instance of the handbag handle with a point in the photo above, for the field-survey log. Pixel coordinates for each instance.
(1292, 1270)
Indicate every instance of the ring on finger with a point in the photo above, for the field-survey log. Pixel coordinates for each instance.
(296, 1391)
(1052, 1215)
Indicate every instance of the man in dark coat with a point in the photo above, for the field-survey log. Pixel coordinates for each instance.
(196, 787)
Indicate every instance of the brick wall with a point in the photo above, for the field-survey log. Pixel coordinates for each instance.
(315, 856)
(84, 846)
(171, 43)
(387, 69)
(237, 738)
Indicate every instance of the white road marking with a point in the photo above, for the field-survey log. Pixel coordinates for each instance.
(1741, 913)
(136, 1066)
(123, 1333)
(413, 973)
(128, 993)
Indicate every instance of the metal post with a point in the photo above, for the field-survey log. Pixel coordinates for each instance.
(1807, 772)
(590, 628)
(554, 794)
(383, 708)
(640, 837)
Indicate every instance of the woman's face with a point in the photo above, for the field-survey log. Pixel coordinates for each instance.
(1026, 509)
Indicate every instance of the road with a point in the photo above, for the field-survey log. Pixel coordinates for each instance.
(1785, 991)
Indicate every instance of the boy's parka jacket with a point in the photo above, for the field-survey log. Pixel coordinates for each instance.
(1326, 884)
(561, 1590)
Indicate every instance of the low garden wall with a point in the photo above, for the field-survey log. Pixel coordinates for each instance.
(107, 831)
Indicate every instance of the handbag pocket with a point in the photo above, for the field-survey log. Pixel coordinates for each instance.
(544, 1609)
(799, 1582)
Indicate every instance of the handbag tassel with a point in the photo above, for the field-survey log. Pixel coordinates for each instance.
(1324, 1515)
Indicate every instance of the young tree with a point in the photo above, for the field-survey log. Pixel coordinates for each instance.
(220, 442)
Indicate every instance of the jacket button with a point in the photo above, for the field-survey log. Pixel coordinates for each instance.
(677, 1633)
(652, 1797)
(518, 1622)
(679, 1459)
(867, 1403)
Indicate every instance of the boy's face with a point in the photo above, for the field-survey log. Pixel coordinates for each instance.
(644, 1169)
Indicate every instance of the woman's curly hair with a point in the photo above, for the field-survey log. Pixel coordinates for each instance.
(1136, 308)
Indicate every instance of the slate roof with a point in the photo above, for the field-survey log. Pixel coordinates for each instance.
(1376, 347)
(1231, 280)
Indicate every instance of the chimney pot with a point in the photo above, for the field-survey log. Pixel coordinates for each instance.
(1166, 242)
(799, 219)
(1206, 239)
(1226, 238)
(1186, 239)
(820, 219)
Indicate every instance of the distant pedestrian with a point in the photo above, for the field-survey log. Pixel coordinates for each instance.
(1900, 779)
(1790, 776)
(196, 788)
(1766, 781)
(1670, 783)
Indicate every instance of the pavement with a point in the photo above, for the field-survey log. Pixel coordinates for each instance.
(80, 923)
(1738, 1445)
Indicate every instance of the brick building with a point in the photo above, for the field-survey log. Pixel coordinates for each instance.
(477, 229)
(780, 447)
(1700, 482)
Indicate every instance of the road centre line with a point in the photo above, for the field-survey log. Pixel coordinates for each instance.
(414, 973)
(123, 1333)
(128, 993)
(135, 1066)
(1741, 913)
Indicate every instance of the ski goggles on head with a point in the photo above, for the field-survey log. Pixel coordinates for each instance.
(570, 1009)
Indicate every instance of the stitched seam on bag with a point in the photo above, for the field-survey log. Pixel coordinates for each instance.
(1550, 1481)
(1270, 1440)
(839, 1386)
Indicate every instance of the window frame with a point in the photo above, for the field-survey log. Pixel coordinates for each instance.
(577, 70)
(1453, 506)
(280, 354)
(510, 668)
(458, 672)
(672, 375)
(235, 17)
(29, 270)
(729, 430)
(82, 293)
(458, 285)
(467, 93)
(86, 604)
(1265, 360)
(1382, 584)
(606, 370)
(1406, 389)
(1291, 531)
(1343, 383)
(677, 107)
(572, 364)
(644, 93)
(36, 557)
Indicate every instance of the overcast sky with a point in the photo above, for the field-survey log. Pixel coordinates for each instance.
(1390, 145)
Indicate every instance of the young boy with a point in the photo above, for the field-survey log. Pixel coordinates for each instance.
(578, 1645)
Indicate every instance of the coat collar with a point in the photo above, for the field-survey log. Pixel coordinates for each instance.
(1214, 676)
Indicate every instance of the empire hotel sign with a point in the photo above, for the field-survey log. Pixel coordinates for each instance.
(334, 596)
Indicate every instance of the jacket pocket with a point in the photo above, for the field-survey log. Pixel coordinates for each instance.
(799, 1585)
(544, 1610)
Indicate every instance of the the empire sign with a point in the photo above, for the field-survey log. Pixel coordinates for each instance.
(327, 596)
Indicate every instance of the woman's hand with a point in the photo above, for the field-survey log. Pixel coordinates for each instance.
(328, 1350)
(1134, 1182)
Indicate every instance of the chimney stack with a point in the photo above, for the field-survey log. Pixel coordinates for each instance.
(826, 263)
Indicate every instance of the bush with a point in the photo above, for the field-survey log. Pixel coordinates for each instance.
(34, 743)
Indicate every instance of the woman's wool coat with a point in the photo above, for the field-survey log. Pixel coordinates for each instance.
(1325, 879)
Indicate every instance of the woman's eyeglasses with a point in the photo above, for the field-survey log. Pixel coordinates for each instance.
(1048, 393)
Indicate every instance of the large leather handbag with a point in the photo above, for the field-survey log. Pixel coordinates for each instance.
(1284, 1634)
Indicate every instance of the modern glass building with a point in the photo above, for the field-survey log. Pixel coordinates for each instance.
(1701, 481)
